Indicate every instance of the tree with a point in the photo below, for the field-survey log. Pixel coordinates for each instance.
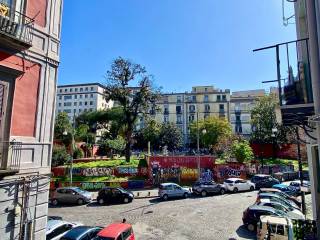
(133, 103)
(62, 124)
(170, 136)
(149, 133)
(211, 131)
(59, 156)
(242, 151)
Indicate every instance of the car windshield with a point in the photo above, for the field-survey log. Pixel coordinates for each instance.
(79, 190)
(228, 181)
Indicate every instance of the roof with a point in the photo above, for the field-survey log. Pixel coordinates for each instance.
(167, 184)
(234, 179)
(78, 231)
(113, 230)
(53, 223)
(81, 84)
(274, 220)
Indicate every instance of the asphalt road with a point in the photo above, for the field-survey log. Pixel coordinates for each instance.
(214, 217)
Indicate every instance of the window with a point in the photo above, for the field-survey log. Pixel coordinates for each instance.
(75, 96)
(71, 89)
(179, 119)
(221, 107)
(166, 110)
(191, 118)
(194, 98)
(80, 103)
(67, 110)
(91, 102)
(218, 98)
(65, 90)
(178, 109)
(76, 89)
(207, 107)
(166, 119)
(59, 104)
(60, 97)
(91, 95)
(80, 110)
(67, 104)
(80, 95)
(178, 99)
(81, 89)
(67, 97)
(206, 89)
(86, 88)
(238, 118)
(224, 97)
(75, 104)
(91, 88)
(85, 103)
(60, 90)
(74, 110)
(206, 98)
(192, 108)
(86, 96)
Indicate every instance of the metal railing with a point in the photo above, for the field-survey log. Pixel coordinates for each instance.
(15, 24)
(10, 156)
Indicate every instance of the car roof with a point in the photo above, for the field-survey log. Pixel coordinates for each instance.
(113, 230)
(167, 184)
(234, 179)
(259, 207)
(78, 231)
(261, 175)
(51, 224)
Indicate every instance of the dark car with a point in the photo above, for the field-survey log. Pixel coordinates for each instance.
(264, 181)
(205, 188)
(82, 233)
(114, 195)
(251, 216)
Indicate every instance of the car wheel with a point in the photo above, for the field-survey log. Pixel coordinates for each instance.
(222, 191)
(203, 193)
(54, 202)
(185, 195)
(251, 227)
(101, 201)
(251, 188)
(80, 201)
(165, 197)
(126, 200)
(235, 190)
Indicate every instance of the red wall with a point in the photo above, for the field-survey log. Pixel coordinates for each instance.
(37, 9)
(182, 161)
(25, 98)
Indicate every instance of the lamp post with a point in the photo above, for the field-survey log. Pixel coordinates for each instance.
(274, 135)
(198, 145)
(65, 133)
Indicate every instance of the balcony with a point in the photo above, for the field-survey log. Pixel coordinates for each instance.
(16, 29)
(10, 157)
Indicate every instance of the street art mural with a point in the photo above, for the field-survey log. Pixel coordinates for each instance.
(97, 172)
(224, 171)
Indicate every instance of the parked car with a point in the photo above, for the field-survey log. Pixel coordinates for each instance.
(57, 228)
(71, 195)
(238, 184)
(171, 190)
(276, 197)
(259, 177)
(54, 218)
(114, 195)
(266, 182)
(297, 185)
(281, 228)
(292, 212)
(251, 216)
(116, 231)
(292, 191)
(81, 233)
(281, 194)
(205, 188)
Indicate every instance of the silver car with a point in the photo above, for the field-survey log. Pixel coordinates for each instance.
(172, 190)
(57, 228)
(71, 195)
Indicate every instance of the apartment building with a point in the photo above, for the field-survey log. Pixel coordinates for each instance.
(78, 98)
(29, 59)
(241, 104)
(184, 108)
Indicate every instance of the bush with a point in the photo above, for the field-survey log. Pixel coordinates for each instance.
(77, 153)
(60, 156)
(242, 151)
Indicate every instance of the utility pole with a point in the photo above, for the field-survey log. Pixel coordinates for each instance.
(303, 203)
(198, 144)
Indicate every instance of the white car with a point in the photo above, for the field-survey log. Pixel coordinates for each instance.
(290, 211)
(238, 184)
(57, 228)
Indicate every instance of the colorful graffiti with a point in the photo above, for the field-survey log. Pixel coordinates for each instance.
(223, 171)
(97, 172)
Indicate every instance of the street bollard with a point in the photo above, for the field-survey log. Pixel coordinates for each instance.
(149, 194)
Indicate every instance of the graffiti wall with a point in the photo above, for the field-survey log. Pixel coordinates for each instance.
(224, 171)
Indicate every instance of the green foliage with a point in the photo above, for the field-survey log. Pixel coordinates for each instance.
(211, 131)
(77, 153)
(117, 144)
(62, 124)
(59, 156)
(242, 151)
(150, 133)
(170, 136)
(122, 73)
(108, 163)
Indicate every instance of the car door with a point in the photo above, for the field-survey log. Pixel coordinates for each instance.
(213, 187)
(177, 191)
(71, 196)
(237, 184)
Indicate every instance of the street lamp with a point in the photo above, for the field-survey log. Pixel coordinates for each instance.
(204, 131)
(65, 133)
(273, 135)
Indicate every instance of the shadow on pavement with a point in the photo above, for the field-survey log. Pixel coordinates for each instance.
(244, 233)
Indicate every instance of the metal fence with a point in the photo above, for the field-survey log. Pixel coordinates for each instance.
(10, 155)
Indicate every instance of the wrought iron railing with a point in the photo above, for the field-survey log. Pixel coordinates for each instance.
(10, 155)
(15, 24)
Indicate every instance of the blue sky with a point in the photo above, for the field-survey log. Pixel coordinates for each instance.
(182, 43)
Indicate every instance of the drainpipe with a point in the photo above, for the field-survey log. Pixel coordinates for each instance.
(315, 76)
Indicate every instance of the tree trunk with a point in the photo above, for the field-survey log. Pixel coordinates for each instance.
(128, 145)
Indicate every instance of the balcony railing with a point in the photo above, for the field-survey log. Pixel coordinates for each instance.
(10, 157)
(16, 29)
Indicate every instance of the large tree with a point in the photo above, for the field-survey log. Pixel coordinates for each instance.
(212, 130)
(123, 72)
(62, 126)
(170, 136)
